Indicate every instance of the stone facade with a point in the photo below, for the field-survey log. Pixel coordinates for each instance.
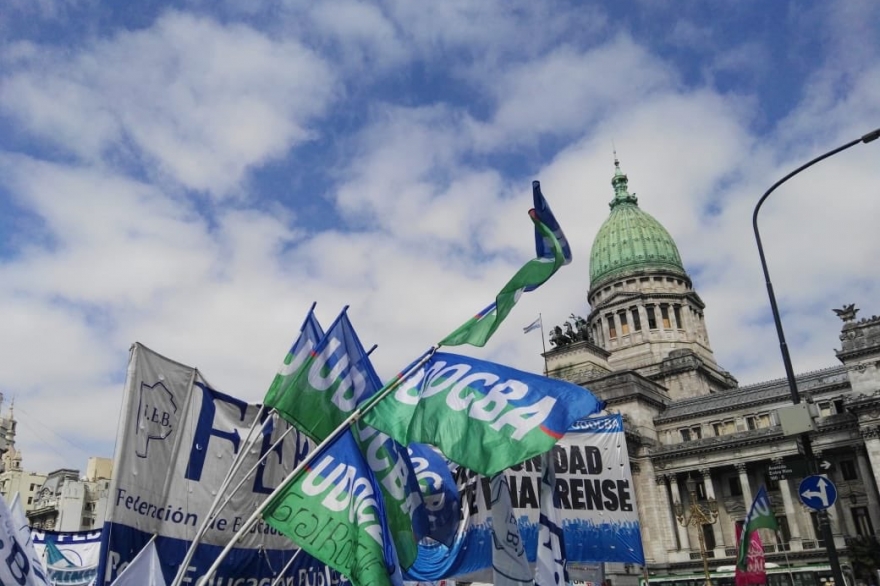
(648, 356)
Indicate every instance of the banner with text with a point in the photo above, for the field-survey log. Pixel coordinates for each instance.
(596, 493)
(176, 442)
(70, 557)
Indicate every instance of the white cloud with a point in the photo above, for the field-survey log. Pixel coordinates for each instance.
(203, 102)
(117, 140)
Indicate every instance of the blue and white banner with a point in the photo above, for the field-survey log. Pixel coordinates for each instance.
(176, 442)
(70, 557)
(596, 498)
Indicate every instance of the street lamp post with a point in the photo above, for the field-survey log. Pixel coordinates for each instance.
(697, 516)
(806, 443)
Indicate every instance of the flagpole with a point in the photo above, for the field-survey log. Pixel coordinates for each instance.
(290, 563)
(785, 553)
(213, 510)
(347, 423)
(543, 344)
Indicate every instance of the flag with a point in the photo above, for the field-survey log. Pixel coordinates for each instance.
(532, 326)
(755, 572)
(760, 517)
(439, 492)
(550, 256)
(143, 570)
(509, 564)
(335, 512)
(550, 569)
(21, 565)
(326, 388)
(481, 415)
(328, 379)
(543, 245)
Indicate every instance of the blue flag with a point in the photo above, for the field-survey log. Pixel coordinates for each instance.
(543, 245)
(439, 492)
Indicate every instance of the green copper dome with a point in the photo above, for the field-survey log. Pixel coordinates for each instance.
(630, 239)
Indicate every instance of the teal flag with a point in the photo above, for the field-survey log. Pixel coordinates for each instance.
(477, 330)
(760, 517)
(551, 252)
(330, 380)
(335, 512)
(484, 416)
(310, 334)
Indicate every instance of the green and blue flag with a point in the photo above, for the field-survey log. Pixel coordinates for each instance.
(551, 253)
(481, 415)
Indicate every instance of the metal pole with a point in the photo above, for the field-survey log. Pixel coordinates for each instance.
(783, 347)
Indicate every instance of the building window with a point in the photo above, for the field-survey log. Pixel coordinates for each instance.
(664, 315)
(691, 433)
(820, 539)
(825, 408)
(734, 486)
(848, 470)
(30, 500)
(612, 331)
(784, 531)
(637, 321)
(709, 537)
(862, 521)
(624, 326)
(758, 421)
(724, 427)
(677, 313)
(838, 406)
(652, 321)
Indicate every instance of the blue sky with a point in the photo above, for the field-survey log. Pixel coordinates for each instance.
(193, 175)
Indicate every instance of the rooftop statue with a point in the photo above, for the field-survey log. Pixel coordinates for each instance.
(847, 313)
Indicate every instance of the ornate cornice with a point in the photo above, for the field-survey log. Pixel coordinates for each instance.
(717, 443)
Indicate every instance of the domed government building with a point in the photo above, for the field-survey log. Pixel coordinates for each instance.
(695, 436)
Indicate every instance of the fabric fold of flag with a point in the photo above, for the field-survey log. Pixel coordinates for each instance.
(550, 567)
(509, 564)
(22, 564)
(760, 517)
(550, 256)
(143, 570)
(335, 512)
(329, 384)
(481, 415)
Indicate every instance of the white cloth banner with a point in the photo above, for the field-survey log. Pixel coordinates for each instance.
(144, 569)
(509, 564)
(176, 442)
(19, 563)
(550, 569)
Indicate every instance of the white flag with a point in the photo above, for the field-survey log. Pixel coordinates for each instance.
(550, 569)
(509, 564)
(144, 569)
(21, 563)
(532, 326)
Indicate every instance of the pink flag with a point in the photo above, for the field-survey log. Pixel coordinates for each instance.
(755, 572)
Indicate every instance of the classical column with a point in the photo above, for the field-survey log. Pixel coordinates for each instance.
(870, 488)
(871, 435)
(683, 539)
(710, 494)
(663, 502)
(744, 484)
(790, 512)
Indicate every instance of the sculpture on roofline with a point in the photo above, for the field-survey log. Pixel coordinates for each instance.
(847, 313)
